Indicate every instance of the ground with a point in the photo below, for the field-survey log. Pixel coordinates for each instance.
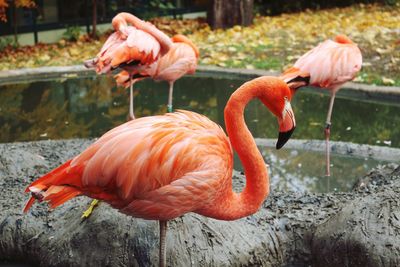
(271, 43)
(357, 228)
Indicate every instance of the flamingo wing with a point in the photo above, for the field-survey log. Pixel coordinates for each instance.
(113, 41)
(155, 167)
(331, 64)
(139, 47)
(180, 60)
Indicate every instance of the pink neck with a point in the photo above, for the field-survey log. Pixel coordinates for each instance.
(231, 205)
(122, 19)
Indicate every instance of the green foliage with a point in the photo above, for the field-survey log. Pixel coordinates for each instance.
(392, 2)
(72, 33)
(7, 42)
(160, 4)
(156, 7)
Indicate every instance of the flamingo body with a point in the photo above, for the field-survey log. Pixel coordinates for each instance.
(180, 60)
(139, 47)
(329, 65)
(156, 167)
(130, 46)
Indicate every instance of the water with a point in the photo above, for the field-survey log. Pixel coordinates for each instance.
(304, 171)
(89, 106)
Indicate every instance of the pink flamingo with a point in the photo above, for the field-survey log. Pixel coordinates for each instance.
(180, 60)
(132, 48)
(329, 66)
(161, 167)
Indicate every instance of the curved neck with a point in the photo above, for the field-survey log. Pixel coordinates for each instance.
(123, 18)
(232, 205)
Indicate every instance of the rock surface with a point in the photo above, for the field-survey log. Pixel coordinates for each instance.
(291, 229)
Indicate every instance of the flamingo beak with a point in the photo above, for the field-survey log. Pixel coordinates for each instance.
(303, 79)
(91, 63)
(287, 124)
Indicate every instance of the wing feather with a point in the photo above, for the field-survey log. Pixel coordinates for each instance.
(331, 64)
(180, 60)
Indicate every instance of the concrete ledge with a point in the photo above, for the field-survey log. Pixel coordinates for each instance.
(44, 73)
(343, 148)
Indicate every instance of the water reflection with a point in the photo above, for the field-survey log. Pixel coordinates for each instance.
(296, 170)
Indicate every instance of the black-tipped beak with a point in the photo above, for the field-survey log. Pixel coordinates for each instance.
(284, 137)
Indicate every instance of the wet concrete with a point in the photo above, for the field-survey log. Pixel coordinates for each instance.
(292, 229)
(41, 73)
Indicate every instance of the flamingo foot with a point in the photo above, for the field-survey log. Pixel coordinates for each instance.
(328, 130)
(86, 214)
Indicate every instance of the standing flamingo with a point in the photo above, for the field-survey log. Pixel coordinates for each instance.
(132, 48)
(180, 60)
(329, 66)
(161, 167)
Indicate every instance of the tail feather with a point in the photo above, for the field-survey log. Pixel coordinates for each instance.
(58, 186)
(29, 204)
(62, 194)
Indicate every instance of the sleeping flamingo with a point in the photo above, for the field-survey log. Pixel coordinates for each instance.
(161, 167)
(329, 66)
(132, 48)
(180, 60)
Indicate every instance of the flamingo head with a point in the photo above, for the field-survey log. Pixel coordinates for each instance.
(278, 102)
(343, 39)
(287, 124)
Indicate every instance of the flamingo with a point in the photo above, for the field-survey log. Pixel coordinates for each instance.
(132, 48)
(328, 66)
(161, 167)
(180, 60)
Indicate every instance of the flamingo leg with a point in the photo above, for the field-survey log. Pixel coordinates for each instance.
(328, 133)
(163, 234)
(131, 113)
(89, 211)
(170, 95)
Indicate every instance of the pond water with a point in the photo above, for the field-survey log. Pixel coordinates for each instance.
(89, 106)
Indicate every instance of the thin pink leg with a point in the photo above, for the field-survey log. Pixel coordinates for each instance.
(163, 252)
(328, 134)
(170, 96)
(131, 113)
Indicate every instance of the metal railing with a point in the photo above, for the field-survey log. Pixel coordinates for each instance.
(34, 27)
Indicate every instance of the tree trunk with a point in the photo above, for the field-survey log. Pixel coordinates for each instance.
(94, 18)
(228, 13)
(291, 229)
